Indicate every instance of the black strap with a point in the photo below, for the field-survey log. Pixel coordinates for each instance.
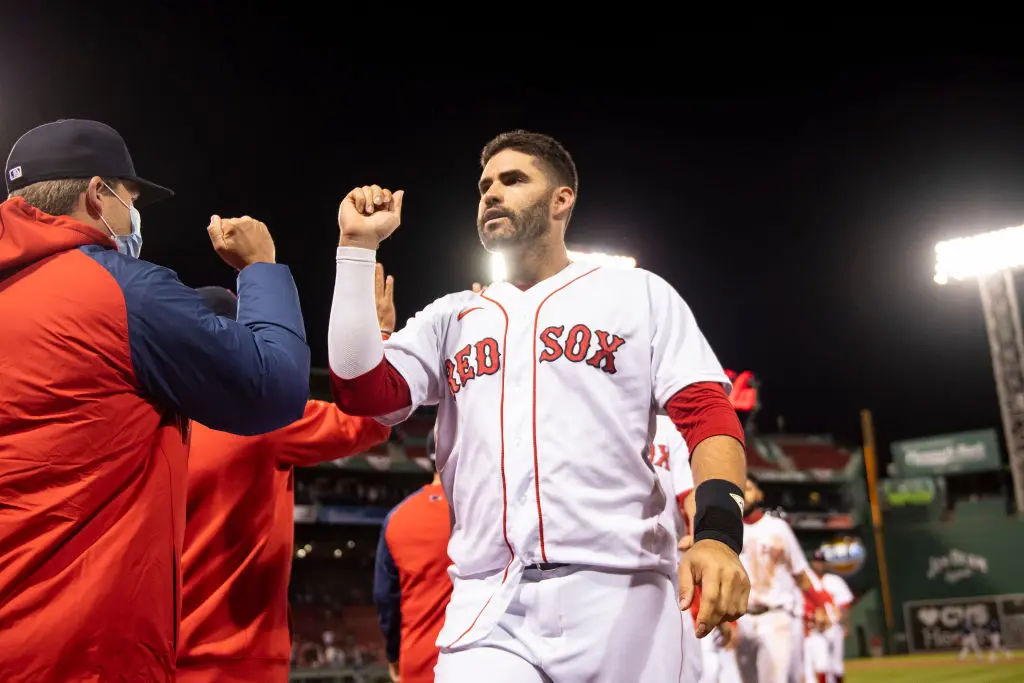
(719, 515)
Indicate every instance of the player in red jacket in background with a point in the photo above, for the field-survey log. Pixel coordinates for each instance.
(239, 532)
(410, 580)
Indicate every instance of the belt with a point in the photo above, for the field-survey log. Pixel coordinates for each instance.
(546, 566)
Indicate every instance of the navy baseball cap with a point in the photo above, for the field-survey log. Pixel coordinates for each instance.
(222, 301)
(75, 148)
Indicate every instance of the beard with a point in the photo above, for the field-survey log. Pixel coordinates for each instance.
(520, 228)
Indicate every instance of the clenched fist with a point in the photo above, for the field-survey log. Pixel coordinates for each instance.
(241, 241)
(368, 215)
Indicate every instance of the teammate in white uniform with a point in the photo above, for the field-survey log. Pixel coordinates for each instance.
(841, 598)
(547, 386)
(778, 569)
(671, 459)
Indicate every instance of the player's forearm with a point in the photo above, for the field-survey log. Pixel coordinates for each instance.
(719, 469)
(362, 382)
(354, 344)
(719, 457)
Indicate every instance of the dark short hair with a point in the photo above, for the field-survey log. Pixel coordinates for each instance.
(555, 159)
(220, 300)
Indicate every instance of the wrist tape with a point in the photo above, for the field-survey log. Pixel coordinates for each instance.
(719, 515)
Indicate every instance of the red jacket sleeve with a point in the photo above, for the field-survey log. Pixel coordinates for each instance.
(325, 433)
(702, 410)
(380, 391)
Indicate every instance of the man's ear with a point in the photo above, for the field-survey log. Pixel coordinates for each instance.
(92, 198)
(563, 201)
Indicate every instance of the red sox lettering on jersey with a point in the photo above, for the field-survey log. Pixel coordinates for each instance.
(595, 348)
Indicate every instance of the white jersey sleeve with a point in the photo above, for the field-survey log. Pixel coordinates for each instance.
(841, 594)
(680, 354)
(416, 352)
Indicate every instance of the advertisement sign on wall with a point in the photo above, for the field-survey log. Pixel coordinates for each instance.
(935, 625)
(976, 451)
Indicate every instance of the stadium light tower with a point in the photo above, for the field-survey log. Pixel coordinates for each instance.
(498, 271)
(991, 258)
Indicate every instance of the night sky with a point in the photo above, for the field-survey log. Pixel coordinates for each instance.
(794, 203)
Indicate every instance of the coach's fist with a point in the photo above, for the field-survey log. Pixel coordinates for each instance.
(368, 215)
(724, 586)
(241, 241)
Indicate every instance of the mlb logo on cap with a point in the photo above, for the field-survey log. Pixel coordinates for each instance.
(14, 173)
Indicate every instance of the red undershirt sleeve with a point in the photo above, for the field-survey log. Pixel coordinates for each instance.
(381, 391)
(702, 410)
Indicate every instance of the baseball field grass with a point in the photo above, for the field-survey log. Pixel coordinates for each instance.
(942, 668)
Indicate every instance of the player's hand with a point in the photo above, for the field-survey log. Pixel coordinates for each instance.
(685, 543)
(393, 672)
(368, 215)
(723, 582)
(384, 295)
(241, 241)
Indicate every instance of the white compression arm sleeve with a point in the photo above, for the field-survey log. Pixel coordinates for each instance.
(354, 345)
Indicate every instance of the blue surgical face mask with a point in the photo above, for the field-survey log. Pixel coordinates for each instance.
(129, 245)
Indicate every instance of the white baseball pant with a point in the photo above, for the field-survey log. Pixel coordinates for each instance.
(765, 650)
(577, 624)
(796, 664)
(693, 657)
(836, 647)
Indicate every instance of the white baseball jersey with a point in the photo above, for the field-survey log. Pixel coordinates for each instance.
(671, 459)
(546, 402)
(772, 555)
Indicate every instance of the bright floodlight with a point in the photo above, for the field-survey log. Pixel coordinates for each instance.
(969, 257)
(499, 272)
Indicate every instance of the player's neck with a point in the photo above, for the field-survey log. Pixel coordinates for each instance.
(536, 263)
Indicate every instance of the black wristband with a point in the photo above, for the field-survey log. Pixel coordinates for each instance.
(719, 515)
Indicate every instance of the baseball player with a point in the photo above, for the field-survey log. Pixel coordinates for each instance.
(995, 641)
(969, 640)
(710, 660)
(411, 587)
(839, 600)
(778, 570)
(547, 385)
(671, 460)
(817, 656)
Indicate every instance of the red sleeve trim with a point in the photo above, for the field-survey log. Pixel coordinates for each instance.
(703, 410)
(680, 499)
(380, 391)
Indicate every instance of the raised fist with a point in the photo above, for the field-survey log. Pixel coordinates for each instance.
(368, 215)
(241, 241)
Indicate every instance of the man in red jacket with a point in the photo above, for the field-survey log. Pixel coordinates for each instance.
(410, 580)
(239, 532)
(105, 359)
